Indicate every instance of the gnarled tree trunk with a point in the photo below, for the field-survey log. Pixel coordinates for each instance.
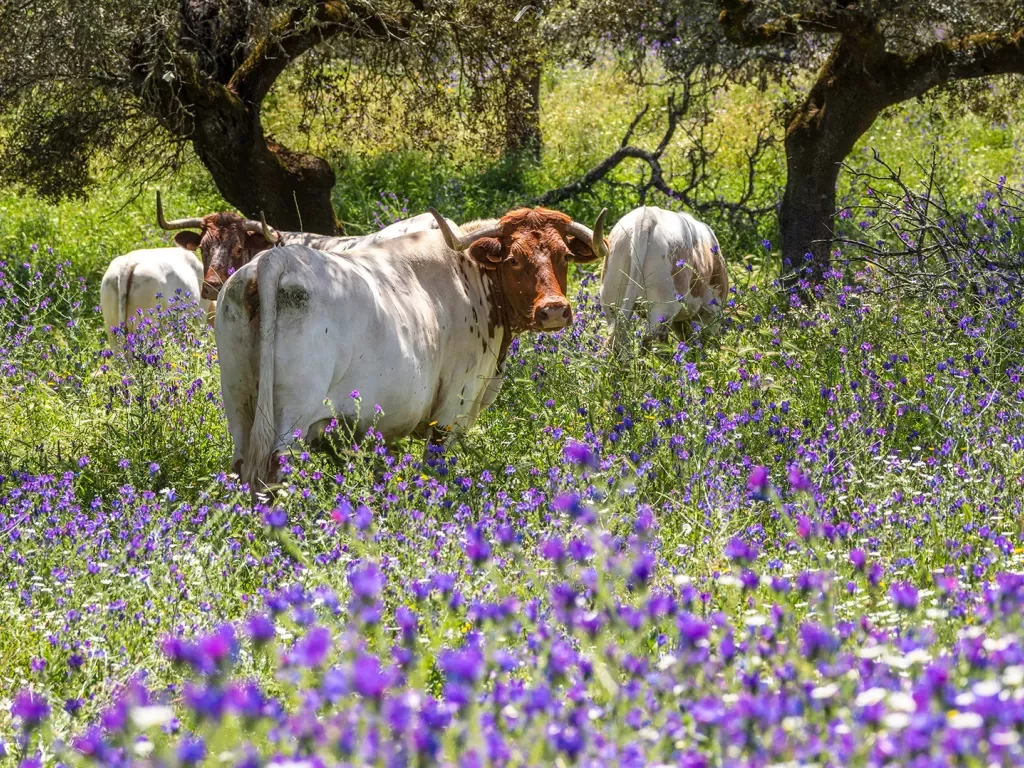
(258, 175)
(209, 91)
(820, 133)
(859, 80)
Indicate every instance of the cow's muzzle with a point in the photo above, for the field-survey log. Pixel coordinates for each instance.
(211, 286)
(552, 315)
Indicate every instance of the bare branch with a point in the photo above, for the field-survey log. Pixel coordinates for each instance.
(685, 187)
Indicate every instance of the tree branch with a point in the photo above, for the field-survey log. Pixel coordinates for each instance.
(963, 58)
(625, 151)
(699, 156)
(735, 13)
(302, 29)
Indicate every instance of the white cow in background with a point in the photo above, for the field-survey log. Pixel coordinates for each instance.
(669, 260)
(147, 279)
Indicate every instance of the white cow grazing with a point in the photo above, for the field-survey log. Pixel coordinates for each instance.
(671, 261)
(146, 279)
(418, 325)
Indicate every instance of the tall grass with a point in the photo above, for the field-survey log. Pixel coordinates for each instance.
(796, 541)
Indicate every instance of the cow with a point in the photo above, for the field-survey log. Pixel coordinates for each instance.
(669, 260)
(228, 241)
(418, 325)
(145, 279)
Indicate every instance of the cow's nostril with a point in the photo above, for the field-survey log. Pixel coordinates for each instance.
(554, 315)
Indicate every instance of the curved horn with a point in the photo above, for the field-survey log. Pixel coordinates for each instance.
(594, 237)
(176, 223)
(271, 235)
(461, 242)
(597, 240)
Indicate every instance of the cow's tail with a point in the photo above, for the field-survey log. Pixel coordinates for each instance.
(721, 271)
(264, 430)
(124, 288)
(638, 241)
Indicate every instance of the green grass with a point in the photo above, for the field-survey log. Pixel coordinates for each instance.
(679, 429)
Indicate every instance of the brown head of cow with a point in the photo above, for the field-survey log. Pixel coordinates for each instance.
(528, 250)
(227, 241)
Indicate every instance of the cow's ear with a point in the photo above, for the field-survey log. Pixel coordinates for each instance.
(488, 252)
(579, 251)
(188, 240)
(256, 242)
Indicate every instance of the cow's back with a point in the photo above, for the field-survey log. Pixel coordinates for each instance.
(151, 277)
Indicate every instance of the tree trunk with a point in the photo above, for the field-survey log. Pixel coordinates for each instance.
(522, 127)
(820, 133)
(257, 175)
(808, 204)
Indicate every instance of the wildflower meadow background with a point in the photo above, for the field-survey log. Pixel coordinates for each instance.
(798, 541)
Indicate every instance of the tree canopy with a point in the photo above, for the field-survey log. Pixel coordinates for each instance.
(143, 80)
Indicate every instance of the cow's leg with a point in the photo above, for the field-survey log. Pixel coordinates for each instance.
(239, 440)
(660, 317)
(300, 416)
(436, 437)
(236, 339)
(238, 408)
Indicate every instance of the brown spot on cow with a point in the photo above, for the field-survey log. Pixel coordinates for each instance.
(252, 296)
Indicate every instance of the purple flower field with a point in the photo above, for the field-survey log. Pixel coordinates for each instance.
(798, 542)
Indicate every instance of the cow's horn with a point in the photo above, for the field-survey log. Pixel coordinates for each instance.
(461, 242)
(176, 223)
(271, 235)
(597, 239)
(594, 237)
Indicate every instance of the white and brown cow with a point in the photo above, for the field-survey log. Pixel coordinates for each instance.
(145, 280)
(668, 260)
(227, 241)
(418, 325)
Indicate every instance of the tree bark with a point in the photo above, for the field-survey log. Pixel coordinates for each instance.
(257, 175)
(842, 105)
(858, 81)
(522, 108)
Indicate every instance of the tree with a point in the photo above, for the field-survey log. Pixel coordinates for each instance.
(502, 48)
(143, 80)
(860, 57)
(879, 53)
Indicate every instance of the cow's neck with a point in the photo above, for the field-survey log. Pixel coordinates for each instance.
(504, 318)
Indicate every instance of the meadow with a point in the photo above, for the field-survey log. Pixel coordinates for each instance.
(799, 541)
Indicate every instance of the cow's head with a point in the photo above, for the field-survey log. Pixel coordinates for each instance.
(227, 242)
(529, 251)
